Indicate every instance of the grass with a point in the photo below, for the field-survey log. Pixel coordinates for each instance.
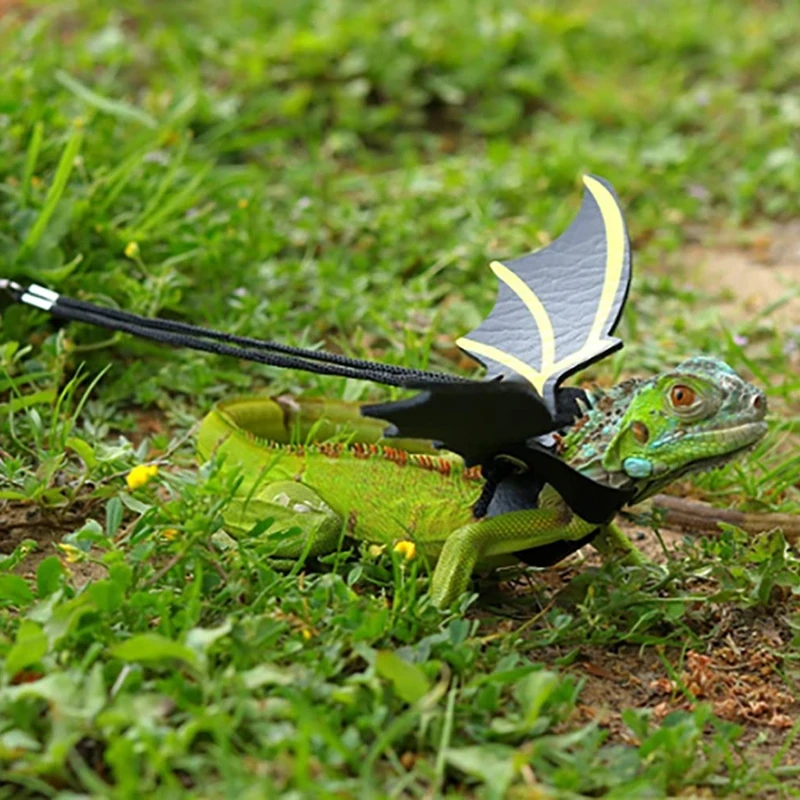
(343, 173)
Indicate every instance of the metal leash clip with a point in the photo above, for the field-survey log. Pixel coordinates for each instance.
(34, 295)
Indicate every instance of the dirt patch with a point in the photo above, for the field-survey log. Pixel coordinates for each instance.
(45, 528)
(149, 422)
(739, 676)
(754, 276)
(656, 548)
(7, 6)
(738, 672)
(741, 681)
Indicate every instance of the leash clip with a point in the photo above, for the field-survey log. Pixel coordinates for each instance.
(34, 295)
(11, 286)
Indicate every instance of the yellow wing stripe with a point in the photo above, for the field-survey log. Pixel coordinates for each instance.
(546, 335)
(535, 378)
(615, 253)
(534, 305)
(615, 258)
(614, 227)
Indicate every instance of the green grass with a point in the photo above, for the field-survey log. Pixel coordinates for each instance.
(342, 173)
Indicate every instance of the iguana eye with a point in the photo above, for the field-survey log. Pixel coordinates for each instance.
(682, 396)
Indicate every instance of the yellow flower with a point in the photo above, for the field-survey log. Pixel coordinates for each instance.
(140, 475)
(132, 250)
(170, 533)
(406, 549)
(307, 634)
(243, 203)
(376, 550)
(71, 553)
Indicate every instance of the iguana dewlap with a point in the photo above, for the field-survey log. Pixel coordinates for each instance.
(642, 434)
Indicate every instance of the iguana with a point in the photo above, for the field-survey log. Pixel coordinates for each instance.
(641, 434)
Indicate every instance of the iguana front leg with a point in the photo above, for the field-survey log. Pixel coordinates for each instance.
(611, 542)
(508, 533)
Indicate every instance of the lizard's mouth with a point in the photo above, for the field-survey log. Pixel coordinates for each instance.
(724, 443)
(716, 462)
(727, 442)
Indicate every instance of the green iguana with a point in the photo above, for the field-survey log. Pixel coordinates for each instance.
(641, 434)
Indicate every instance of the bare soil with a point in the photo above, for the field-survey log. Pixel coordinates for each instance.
(754, 276)
(45, 529)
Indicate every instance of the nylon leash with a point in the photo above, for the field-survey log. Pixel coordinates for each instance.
(208, 340)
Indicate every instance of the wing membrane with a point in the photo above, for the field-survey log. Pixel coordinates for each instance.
(556, 308)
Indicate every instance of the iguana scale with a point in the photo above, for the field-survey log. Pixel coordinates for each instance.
(641, 434)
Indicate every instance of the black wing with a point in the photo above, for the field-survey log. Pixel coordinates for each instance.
(556, 308)
(554, 314)
(477, 419)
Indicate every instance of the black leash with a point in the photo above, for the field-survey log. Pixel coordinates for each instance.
(207, 340)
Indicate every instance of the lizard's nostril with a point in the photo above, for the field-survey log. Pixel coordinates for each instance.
(760, 403)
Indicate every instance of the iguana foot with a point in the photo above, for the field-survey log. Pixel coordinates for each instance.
(612, 543)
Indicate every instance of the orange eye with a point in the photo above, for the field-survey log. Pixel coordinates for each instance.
(681, 396)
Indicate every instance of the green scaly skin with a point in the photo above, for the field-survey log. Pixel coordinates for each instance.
(642, 434)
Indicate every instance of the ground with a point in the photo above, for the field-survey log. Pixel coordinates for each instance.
(341, 174)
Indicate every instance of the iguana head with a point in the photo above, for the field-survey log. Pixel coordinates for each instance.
(646, 433)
